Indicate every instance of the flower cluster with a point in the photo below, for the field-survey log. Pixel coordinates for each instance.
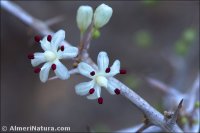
(100, 78)
(85, 16)
(53, 52)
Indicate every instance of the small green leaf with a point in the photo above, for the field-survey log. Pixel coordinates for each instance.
(95, 33)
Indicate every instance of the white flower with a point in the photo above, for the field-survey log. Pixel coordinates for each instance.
(84, 17)
(53, 52)
(100, 78)
(102, 15)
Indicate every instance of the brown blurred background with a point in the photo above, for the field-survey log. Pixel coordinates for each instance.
(140, 34)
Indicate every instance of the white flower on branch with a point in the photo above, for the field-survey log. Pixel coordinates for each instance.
(84, 17)
(102, 15)
(100, 78)
(53, 52)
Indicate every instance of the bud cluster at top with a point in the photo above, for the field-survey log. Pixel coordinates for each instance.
(100, 17)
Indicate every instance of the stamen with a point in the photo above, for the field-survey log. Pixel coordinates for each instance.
(37, 38)
(31, 56)
(117, 91)
(91, 91)
(62, 48)
(122, 71)
(108, 70)
(53, 67)
(37, 70)
(92, 73)
(100, 100)
(49, 38)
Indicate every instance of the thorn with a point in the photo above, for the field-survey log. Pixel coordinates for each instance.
(180, 104)
(173, 116)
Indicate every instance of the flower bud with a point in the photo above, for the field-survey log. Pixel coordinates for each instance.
(102, 15)
(84, 17)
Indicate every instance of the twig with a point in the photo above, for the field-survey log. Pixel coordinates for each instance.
(179, 67)
(144, 126)
(190, 97)
(158, 85)
(25, 17)
(153, 115)
(84, 45)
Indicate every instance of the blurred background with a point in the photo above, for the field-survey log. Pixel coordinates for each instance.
(143, 35)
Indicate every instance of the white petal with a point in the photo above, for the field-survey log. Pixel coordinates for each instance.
(114, 69)
(57, 38)
(102, 61)
(45, 44)
(83, 88)
(111, 87)
(96, 93)
(61, 71)
(44, 72)
(85, 69)
(38, 59)
(69, 52)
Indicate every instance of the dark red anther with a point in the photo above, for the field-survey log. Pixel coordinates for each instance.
(108, 70)
(49, 38)
(31, 56)
(91, 91)
(122, 72)
(117, 91)
(92, 73)
(37, 70)
(100, 100)
(62, 48)
(53, 67)
(37, 38)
